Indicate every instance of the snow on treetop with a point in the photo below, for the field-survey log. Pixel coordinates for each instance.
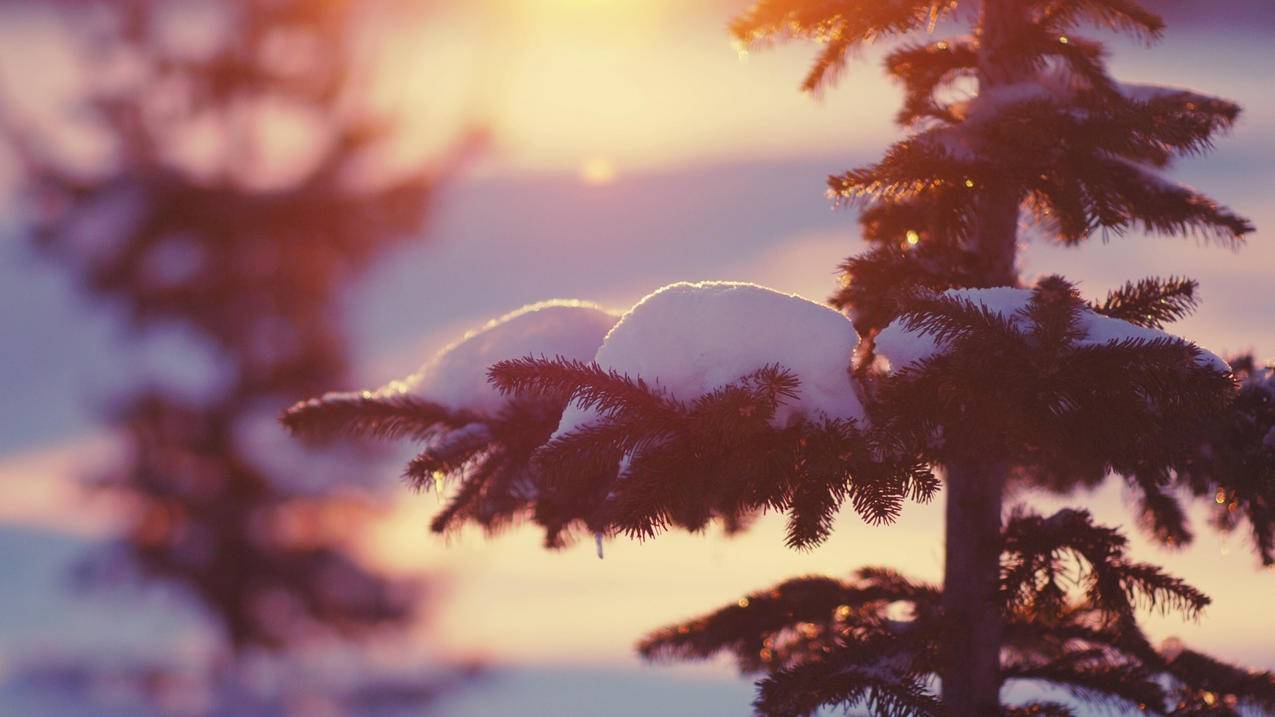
(900, 346)
(1150, 93)
(457, 376)
(1060, 86)
(689, 339)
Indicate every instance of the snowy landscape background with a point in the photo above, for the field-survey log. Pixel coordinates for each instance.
(632, 148)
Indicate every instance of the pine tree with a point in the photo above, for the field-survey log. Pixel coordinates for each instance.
(252, 274)
(964, 376)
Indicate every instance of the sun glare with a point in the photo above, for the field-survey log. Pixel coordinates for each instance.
(597, 171)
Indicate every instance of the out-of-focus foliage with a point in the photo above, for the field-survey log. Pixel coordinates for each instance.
(187, 227)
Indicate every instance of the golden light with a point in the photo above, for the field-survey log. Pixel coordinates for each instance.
(913, 237)
(597, 171)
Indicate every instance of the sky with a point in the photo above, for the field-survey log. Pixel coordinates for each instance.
(632, 146)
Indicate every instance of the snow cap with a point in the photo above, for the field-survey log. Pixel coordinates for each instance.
(457, 376)
(900, 346)
(691, 338)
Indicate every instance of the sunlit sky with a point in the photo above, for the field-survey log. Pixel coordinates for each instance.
(633, 145)
(651, 83)
(639, 83)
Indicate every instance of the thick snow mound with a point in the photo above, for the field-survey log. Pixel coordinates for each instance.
(900, 346)
(689, 339)
(457, 375)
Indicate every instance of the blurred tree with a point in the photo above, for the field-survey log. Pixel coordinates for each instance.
(961, 370)
(193, 225)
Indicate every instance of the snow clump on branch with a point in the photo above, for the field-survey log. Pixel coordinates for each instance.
(901, 346)
(688, 339)
(456, 377)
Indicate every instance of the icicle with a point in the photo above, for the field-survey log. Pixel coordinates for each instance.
(597, 540)
(440, 482)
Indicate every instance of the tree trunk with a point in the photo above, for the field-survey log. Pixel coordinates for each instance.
(994, 234)
(975, 488)
(971, 678)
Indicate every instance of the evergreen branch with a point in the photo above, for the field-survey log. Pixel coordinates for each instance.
(491, 460)
(824, 484)
(365, 414)
(649, 463)
(771, 628)
(1149, 586)
(802, 690)
(658, 490)
(1184, 122)
(878, 491)
(448, 454)
(587, 385)
(827, 643)
(923, 69)
(1033, 567)
(950, 319)
(888, 584)
(1090, 677)
(1151, 302)
(1036, 636)
(942, 220)
(1126, 15)
(1083, 58)
(1054, 315)
(461, 505)
(1160, 514)
(1091, 178)
(1231, 460)
(914, 168)
(840, 25)
(1031, 563)
(877, 284)
(1069, 410)
(579, 462)
(1167, 370)
(757, 395)
(1117, 195)
(1083, 61)
(743, 628)
(1215, 683)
